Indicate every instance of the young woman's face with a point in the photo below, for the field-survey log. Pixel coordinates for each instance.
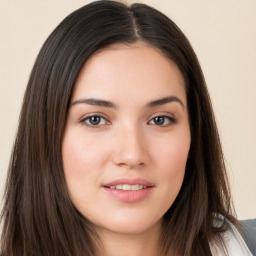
(126, 139)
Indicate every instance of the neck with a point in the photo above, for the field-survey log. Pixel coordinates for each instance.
(144, 243)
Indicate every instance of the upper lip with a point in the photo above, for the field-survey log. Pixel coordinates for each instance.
(129, 181)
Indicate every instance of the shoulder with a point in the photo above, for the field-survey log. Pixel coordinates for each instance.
(248, 232)
(231, 243)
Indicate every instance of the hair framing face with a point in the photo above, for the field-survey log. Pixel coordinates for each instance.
(39, 217)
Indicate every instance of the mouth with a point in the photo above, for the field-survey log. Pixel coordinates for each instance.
(129, 190)
(127, 187)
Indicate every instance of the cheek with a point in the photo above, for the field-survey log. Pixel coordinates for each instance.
(174, 158)
(172, 153)
(83, 160)
(171, 157)
(81, 154)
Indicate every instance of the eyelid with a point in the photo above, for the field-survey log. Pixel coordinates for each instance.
(162, 113)
(101, 115)
(172, 119)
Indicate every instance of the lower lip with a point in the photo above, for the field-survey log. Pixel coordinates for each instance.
(129, 196)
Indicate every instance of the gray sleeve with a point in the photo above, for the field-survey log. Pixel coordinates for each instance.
(248, 232)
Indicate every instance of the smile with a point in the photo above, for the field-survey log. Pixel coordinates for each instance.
(128, 187)
(128, 190)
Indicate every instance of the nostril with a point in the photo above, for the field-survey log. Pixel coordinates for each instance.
(130, 151)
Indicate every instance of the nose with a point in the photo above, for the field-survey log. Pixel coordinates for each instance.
(130, 148)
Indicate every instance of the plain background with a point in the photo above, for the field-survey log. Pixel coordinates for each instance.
(223, 34)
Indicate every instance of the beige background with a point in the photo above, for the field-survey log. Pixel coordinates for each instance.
(223, 34)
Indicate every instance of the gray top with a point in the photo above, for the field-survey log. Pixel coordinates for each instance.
(248, 232)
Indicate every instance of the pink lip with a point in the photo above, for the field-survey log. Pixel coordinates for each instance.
(129, 196)
(129, 181)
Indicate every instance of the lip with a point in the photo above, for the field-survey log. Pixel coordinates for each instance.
(129, 196)
(129, 181)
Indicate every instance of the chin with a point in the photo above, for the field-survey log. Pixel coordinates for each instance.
(132, 227)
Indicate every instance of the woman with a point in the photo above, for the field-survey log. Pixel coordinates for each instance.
(117, 150)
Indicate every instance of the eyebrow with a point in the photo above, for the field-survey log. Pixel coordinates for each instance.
(165, 101)
(95, 102)
(109, 104)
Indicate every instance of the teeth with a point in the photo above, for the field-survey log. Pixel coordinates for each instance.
(129, 187)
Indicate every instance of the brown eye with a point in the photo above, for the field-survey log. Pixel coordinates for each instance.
(162, 121)
(94, 121)
(159, 120)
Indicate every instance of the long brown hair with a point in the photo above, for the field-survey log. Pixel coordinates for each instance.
(38, 215)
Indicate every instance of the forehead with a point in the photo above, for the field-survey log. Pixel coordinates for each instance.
(129, 70)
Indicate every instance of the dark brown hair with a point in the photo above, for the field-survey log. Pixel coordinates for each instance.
(38, 216)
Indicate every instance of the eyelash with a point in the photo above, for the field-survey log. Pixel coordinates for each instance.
(164, 118)
(87, 121)
(170, 121)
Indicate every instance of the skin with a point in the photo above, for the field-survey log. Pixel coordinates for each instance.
(128, 141)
